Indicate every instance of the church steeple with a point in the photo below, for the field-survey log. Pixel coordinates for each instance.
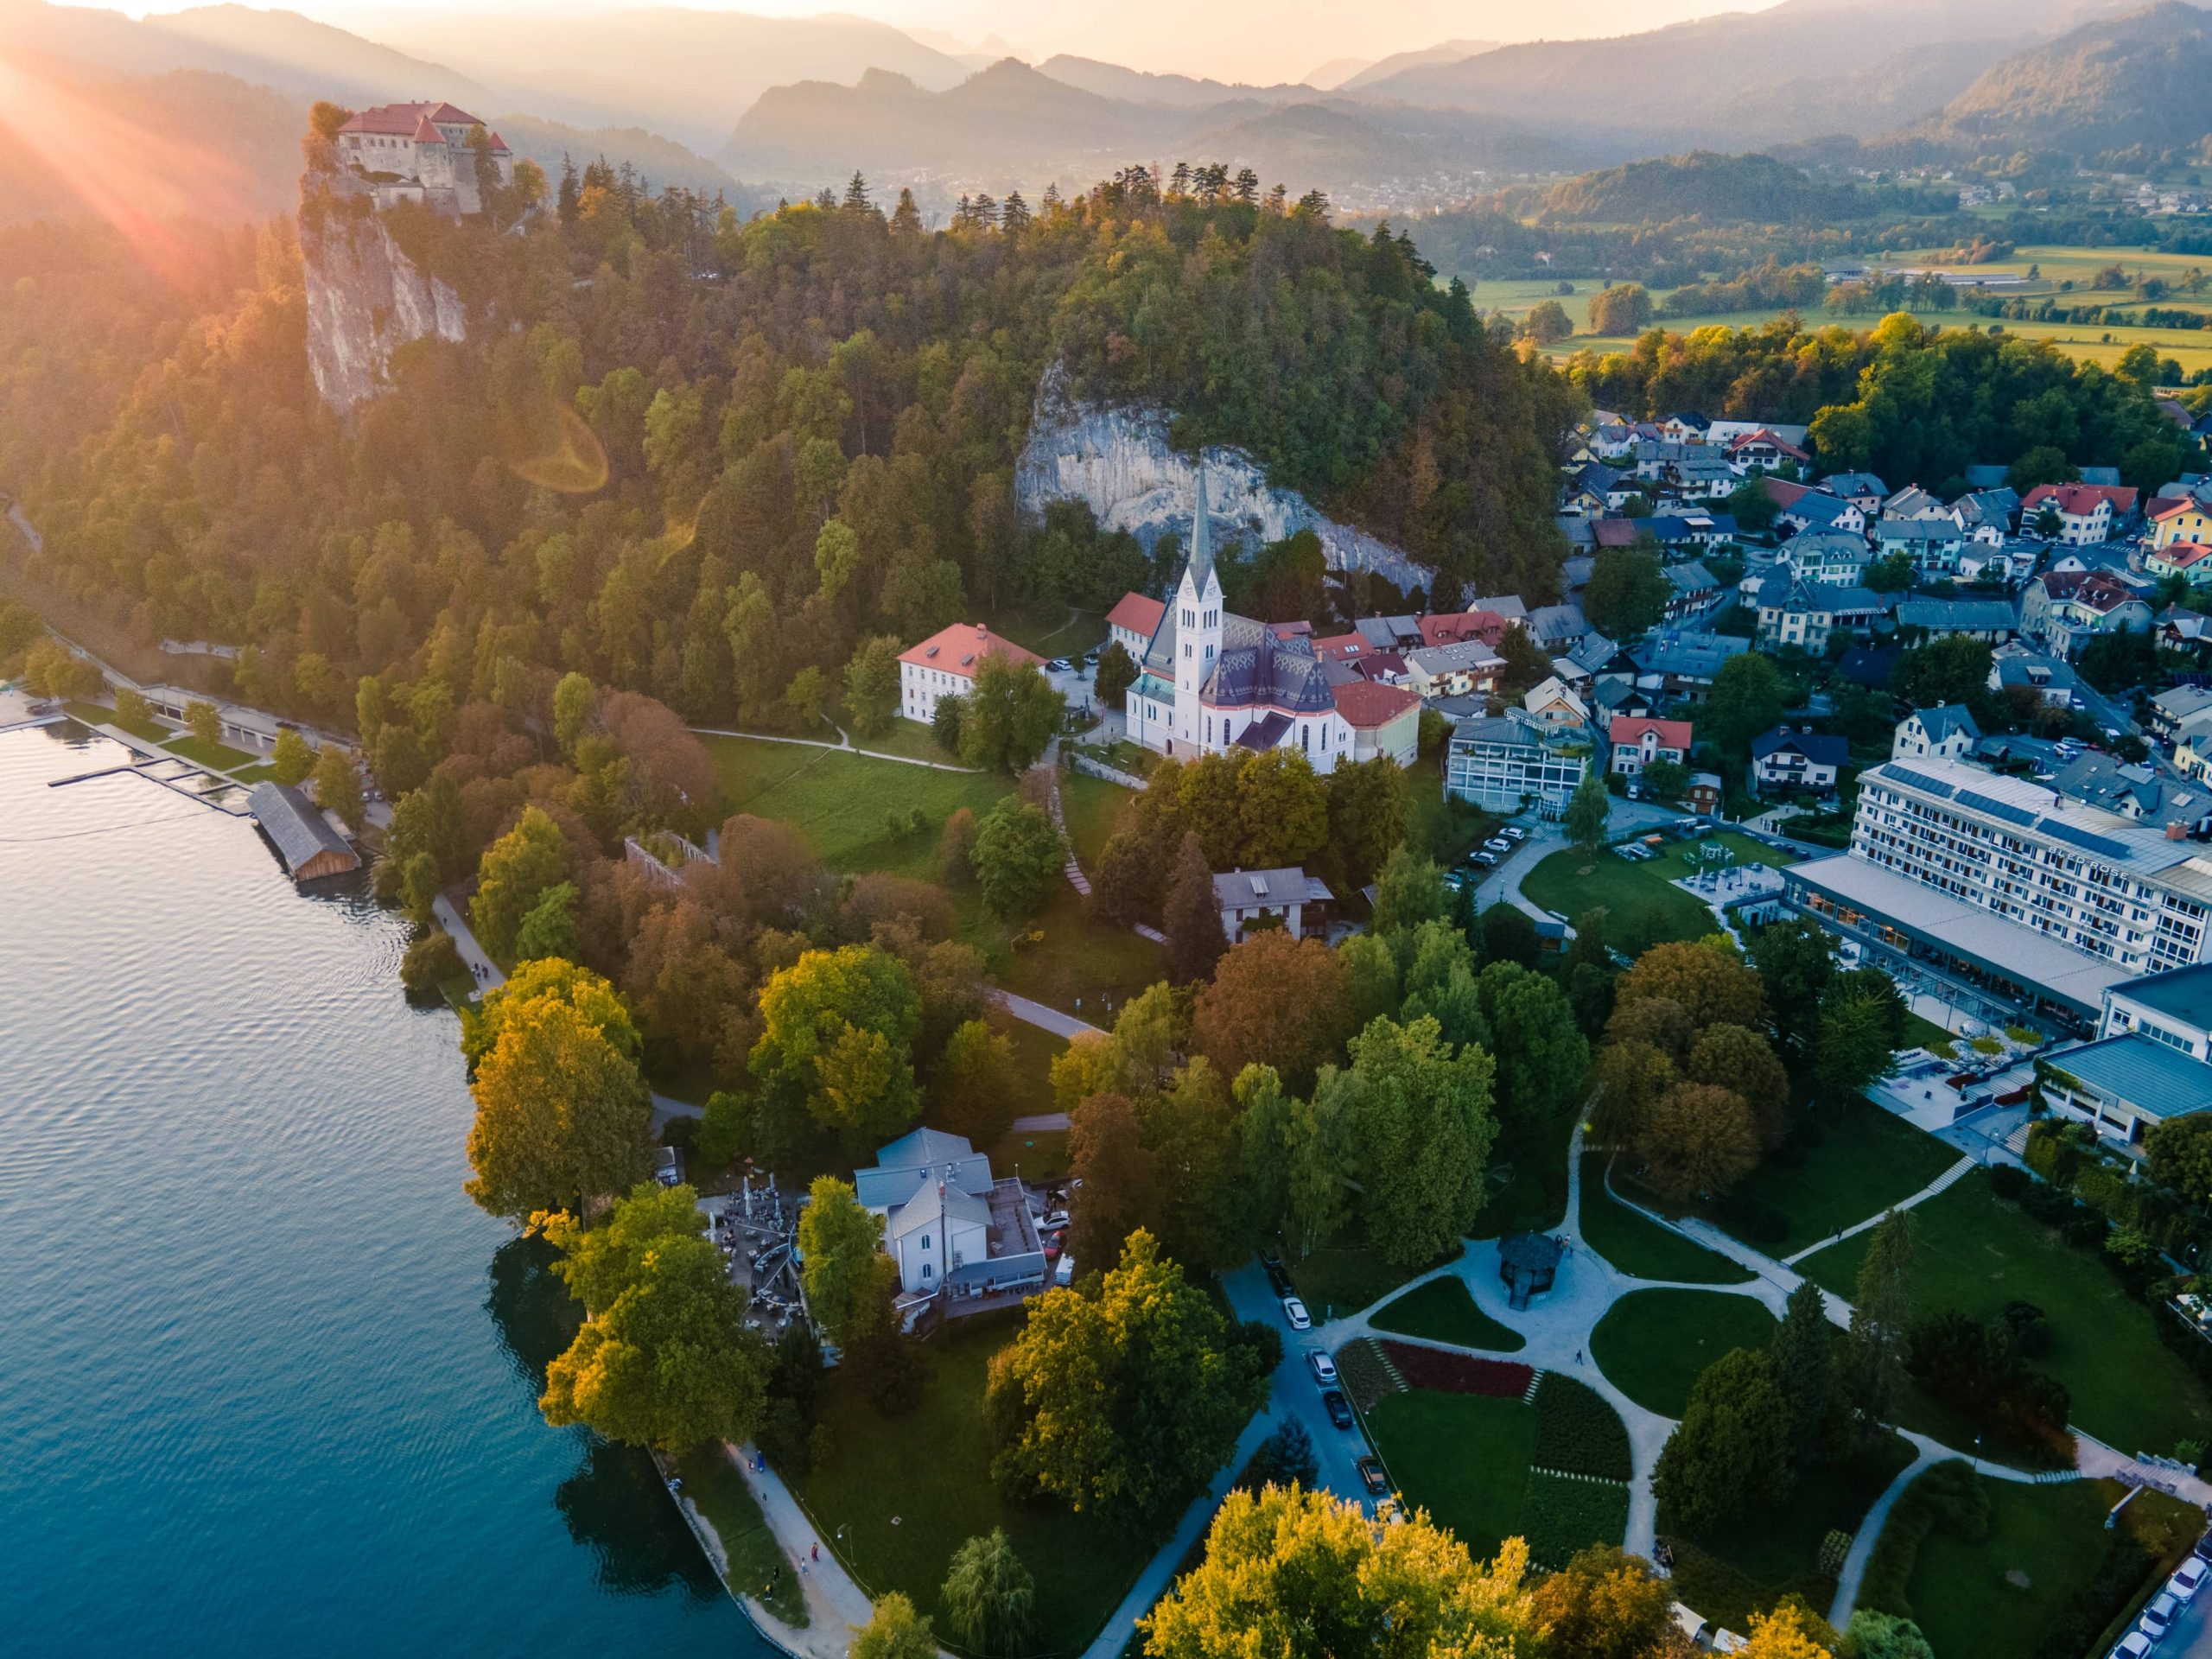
(1201, 535)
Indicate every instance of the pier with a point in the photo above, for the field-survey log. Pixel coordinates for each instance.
(171, 771)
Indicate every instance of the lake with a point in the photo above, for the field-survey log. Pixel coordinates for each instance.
(268, 1380)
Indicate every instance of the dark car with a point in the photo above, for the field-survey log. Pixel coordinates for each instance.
(1279, 1281)
(1370, 1471)
(1337, 1407)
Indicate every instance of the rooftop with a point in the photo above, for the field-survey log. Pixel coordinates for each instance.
(1241, 889)
(2184, 992)
(297, 826)
(958, 649)
(2153, 1079)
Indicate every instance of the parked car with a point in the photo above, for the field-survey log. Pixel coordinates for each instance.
(2133, 1645)
(1513, 832)
(1634, 791)
(2188, 1579)
(1339, 1407)
(1371, 1475)
(1060, 664)
(1324, 1367)
(668, 1167)
(1498, 844)
(1063, 1273)
(1295, 1311)
(1277, 1279)
(2159, 1617)
(1487, 861)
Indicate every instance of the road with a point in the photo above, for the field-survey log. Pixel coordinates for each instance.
(2191, 1634)
(1297, 1396)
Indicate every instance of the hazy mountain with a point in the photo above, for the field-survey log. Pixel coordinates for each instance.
(1310, 142)
(1183, 91)
(660, 160)
(690, 75)
(1333, 74)
(2140, 82)
(1442, 53)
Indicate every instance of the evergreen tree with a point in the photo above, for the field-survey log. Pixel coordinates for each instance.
(1195, 938)
(1873, 1366)
(1804, 1360)
(1588, 811)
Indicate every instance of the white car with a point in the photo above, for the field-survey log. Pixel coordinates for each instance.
(1513, 832)
(1325, 1369)
(1294, 1311)
(2159, 1617)
(2133, 1645)
(1498, 844)
(2188, 1579)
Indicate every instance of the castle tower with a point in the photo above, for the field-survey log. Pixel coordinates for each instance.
(1198, 619)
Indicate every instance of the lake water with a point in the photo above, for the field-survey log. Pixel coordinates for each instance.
(268, 1379)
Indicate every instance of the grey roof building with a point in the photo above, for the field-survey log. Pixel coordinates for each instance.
(301, 836)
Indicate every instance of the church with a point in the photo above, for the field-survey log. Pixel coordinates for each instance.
(420, 152)
(1211, 681)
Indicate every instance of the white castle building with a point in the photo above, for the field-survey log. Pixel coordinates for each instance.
(1211, 681)
(420, 152)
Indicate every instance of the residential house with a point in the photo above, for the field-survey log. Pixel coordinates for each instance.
(1697, 592)
(1595, 489)
(1689, 427)
(1724, 434)
(1812, 510)
(1806, 613)
(1456, 627)
(1986, 515)
(1913, 502)
(1796, 759)
(1613, 440)
(1863, 490)
(2048, 678)
(1703, 792)
(1989, 619)
(945, 665)
(1133, 621)
(1655, 459)
(1832, 555)
(1638, 743)
(2181, 519)
(2063, 610)
(1598, 659)
(955, 1230)
(1468, 669)
(1764, 450)
(1947, 732)
(2086, 514)
(2180, 628)
(1514, 761)
(2190, 560)
(1933, 544)
(2172, 709)
(2193, 749)
(1678, 663)
(1253, 899)
(1549, 702)
(2137, 791)
(1690, 530)
(1701, 478)
(1556, 627)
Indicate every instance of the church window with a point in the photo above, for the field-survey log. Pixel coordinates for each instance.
(1305, 737)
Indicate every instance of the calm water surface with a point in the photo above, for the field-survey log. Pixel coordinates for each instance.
(267, 1378)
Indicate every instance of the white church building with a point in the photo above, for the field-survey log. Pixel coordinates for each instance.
(1211, 681)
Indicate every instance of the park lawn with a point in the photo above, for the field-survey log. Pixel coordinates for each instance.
(1653, 1344)
(1443, 1310)
(907, 1491)
(756, 1562)
(255, 774)
(1961, 1596)
(841, 802)
(1863, 1164)
(1767, 1554)
(1052, 632)
(910, 738)
(1093, 809)
(221, 757)
(1976, 1253)
(1341, 1279)
(91, 714)
(1920, 1033)
(1034, 1051)
(1642, 908)
(1463, 1458)
(1064, 959)
(1640, 1246)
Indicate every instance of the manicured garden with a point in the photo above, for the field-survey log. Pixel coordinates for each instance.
(91, 714)
(1861, 1165)
(1641, 1247)
(900, 1494)
(1642, 908)
(755, 1563)
(221, 757)
(1340, 1279)
(1976, 1253)
(1443, 1310)
(1652, 1345)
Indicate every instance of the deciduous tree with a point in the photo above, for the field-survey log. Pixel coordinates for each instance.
(975, 1090)
(1276, 999)
(515, 873)
(1607, 1604)
(989, 1599)
(837, 1031)
(290, 761)
(896, 1631)
(1010, 716)
(871, 684)
(1628, 592)
(562, 1114)
(837, 1243)
(1195, 938)
(1697, 1140)
(1589, 810)
(1019, 854)
(1731, 1452)
(338, 784)
(1421, 1124)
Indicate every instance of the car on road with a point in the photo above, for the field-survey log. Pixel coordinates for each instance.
(1371, 1475)
(2159, 1617)
(2188, 1579)
(1057, 1218)
(1295, 1311)
(1277, 1279)
(1498, 844)
(1337, 1407)
(1324, 1367)
(2133, 1645)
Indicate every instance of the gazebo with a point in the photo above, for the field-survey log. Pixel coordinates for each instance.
(1528, 1263)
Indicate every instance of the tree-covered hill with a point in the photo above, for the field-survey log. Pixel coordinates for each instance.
(1720, 189)
(695, 456)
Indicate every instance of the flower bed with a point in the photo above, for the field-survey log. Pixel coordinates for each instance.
(1364, 1376)
(1432, 1368)
(1577, 1433)
(1561, 1515)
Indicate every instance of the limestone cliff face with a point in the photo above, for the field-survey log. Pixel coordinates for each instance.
(1120, 462)
(366, 299)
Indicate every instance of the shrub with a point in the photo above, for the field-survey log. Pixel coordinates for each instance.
(1950, 1496)
(2008, 1182)
(1449, 1373)
(1561, 1517)
(430, 962)
(1577, 1433)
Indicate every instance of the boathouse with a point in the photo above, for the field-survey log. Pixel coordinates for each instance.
(301, 836)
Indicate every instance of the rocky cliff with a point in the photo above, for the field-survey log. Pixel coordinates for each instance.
(1120, 462)
(366, 299)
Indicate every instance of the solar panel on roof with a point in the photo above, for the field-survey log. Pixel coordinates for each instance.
(1919, 780)
(1995, 809)
(2102, 846)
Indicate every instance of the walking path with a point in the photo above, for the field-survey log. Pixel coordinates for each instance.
(1942, 1183)
(1040, 1122)
(835, 1605)
(1036, 1013)
(844, 741)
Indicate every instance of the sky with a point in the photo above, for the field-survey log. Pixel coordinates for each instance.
(1259, 41)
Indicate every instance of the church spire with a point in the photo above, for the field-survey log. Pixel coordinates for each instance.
(1201, 534)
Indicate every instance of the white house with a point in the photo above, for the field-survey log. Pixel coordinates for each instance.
(2087, 513)
(1638, 743)
(1947, 732)
(1133, 621)
(1784, 759)
(953, 1229)
(1246, 896)
(1551, 703)
(944, 664)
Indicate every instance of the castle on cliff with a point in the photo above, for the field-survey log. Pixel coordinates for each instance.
(419, 152)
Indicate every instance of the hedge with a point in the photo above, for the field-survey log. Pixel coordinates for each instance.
(1577, 1433)
(1562, 1516)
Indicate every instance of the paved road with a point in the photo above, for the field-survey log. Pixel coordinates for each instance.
(1336, 1451)
(1044, 1019)
(2190, 1638)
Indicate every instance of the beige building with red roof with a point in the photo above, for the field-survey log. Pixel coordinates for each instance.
(420, 152)
(1638, 743)
(944, 664)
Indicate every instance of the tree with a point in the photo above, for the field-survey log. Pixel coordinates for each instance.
(1740, 1060)
(1010, 716)
(1627, 593)
(896, 1631)
(1607, 1604)
(1117, 672)
(1275, 999)
(1588, 811)
(2180, 1155)
(1790, 1631)
(1752, 505)
(512, 878)
(563, 1117)
(575, 702)
(975, 1090)
(1541, 1056)
(1420, 1125)
(290, 761)
(1123, 1398)
(804, 696)
(1287, 1572)
(1623, 311)
(1664, 780)
(1509, 935)
(1952, 670)
(1804, 1358)
(1893, 573)
(1018, 852)
(837, 1243)
(1861, 1025)
(1731, 1452)
(1796, 959)
(1871, 1367)
(1547, 323)
(1884, 1636)
(203, 721)
(956, 847)
(1707, 979)
(131, 708)
(949, 723)
(665, 1359)
(836, 1035)
(872, 683)
(549, 929)
(1408, 891)
(1367, 815)
(1697, 1140)
(1121, 1191)
(1748, 697)
(988, 1599)
(1195, 937)
(338, 784)
(1526, 662)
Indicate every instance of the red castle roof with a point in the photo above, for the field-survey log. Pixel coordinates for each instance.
(404, 120)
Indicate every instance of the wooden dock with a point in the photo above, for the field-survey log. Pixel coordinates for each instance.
(172, 771)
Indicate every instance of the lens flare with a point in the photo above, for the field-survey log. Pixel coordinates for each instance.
(569, 459)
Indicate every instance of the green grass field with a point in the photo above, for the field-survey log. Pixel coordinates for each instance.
(1644, 908)
(1443, 1310)
(901, 1494)
(1061, 958)
(1926, 1034)
(757, 1566)
(2001, 1595)
(1463, 1458)
(220, 756)
(1050, 632)
(1093, 809)
(1863, 1164)
(1643, 1247)
(93, 715)
(909, 738)
(842, 803)
(1341, 1279)
(1977, 1253)
(1653, 1344)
